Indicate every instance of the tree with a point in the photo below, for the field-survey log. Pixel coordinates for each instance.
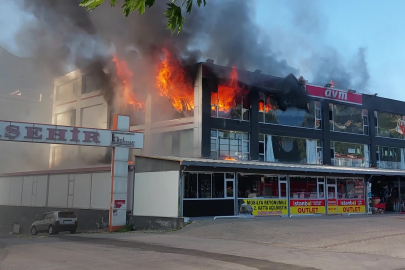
(175, 19)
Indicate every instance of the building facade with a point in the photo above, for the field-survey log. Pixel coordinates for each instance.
(253, 143)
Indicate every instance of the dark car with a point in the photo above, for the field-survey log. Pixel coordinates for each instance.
(55, 222)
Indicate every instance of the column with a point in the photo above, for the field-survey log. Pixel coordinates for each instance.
(119, 178)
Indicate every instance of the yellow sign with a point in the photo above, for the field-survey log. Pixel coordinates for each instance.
(305, 207)
(351, 206)
(267, 207)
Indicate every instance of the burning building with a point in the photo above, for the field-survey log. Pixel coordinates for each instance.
(240, 138)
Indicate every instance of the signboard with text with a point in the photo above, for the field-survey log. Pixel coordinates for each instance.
(332, 206)
(334, 94)
(53, 134)
(351, 206)
(266, 207)
(307, 207)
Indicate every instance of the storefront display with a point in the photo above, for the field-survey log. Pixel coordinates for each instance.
(307, 195)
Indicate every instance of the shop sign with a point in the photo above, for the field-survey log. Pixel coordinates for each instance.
(267, 207)
(122, 139)
(334, 94)
(305, 207)
(332, 206)
(53, 134)
(351, 206)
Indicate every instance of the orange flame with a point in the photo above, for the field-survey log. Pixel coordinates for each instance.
(266, 106)
(230, 158)
(125, 75)
(332, 84)
(227, 92)
(172, 83)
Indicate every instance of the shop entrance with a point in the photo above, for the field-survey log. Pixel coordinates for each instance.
(331, 196)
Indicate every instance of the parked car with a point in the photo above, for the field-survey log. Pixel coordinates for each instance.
(55, 222)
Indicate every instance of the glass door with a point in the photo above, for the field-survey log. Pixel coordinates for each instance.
(332, 196)
(230, 185)
(282, 187)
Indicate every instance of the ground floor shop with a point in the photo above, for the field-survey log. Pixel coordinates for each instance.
(217, 194)
(207, 187)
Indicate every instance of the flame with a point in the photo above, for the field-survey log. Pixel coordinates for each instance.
(227, 92)
(125, 76)
(266, 106)
(332, 84)
(230, 159)
(172, 83)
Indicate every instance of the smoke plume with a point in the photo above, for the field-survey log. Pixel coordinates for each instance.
(62, 37)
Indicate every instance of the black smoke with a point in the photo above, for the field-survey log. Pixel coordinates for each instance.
(65, 36)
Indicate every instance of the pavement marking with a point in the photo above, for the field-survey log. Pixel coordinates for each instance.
(246, 261)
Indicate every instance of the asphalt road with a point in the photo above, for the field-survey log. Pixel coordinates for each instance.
(297, 243)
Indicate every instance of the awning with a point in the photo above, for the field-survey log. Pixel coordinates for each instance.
(258, 165)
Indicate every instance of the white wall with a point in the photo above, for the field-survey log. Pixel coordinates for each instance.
(58, 190)
(101, 190)
(82, 191)
(4, 190)
(156, 194)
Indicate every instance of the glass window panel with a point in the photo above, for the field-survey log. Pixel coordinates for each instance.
(204, 185)
(303, 187)
(190, 185)
(350, 188)
(229, 189)
(321, 188)
(388, 125)
(349, 155)
(230, 175)
(218, 185)
(283, 190)
(347, 119)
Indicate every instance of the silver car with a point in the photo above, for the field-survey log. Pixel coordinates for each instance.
(55, 222)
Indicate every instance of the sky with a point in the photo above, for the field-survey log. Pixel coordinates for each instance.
(344, 25)
(348, 25)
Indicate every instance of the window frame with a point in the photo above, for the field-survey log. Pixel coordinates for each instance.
(198, 192)
(218, 144)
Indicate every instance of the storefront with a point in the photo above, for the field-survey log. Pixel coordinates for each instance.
(209, 188)
(263, 189)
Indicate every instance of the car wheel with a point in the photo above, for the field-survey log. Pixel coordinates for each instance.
(73, 231)
(34, 231)
(51, 230)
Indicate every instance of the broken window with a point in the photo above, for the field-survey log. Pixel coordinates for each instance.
(349, 119)
(389, 125)
(271, 112)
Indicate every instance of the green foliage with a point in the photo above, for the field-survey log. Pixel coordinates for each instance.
(175, 19)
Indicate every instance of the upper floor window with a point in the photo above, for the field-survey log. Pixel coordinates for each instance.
(67, 91)
(349, 154)
(269, 112)
(66, 118)
(229, 145)
(390, 158)
(289, 150)
(230, 102)
(91, 82)
(349, 119)
(389, 125)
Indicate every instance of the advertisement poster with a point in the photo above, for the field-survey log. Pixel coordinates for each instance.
(332, 206)
(305, 207)
(351, 206)
(263, 207)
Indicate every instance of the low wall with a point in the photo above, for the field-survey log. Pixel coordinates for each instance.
(88, 219)
(157, 223)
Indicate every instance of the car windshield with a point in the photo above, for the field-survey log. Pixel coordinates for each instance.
(66, 215)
